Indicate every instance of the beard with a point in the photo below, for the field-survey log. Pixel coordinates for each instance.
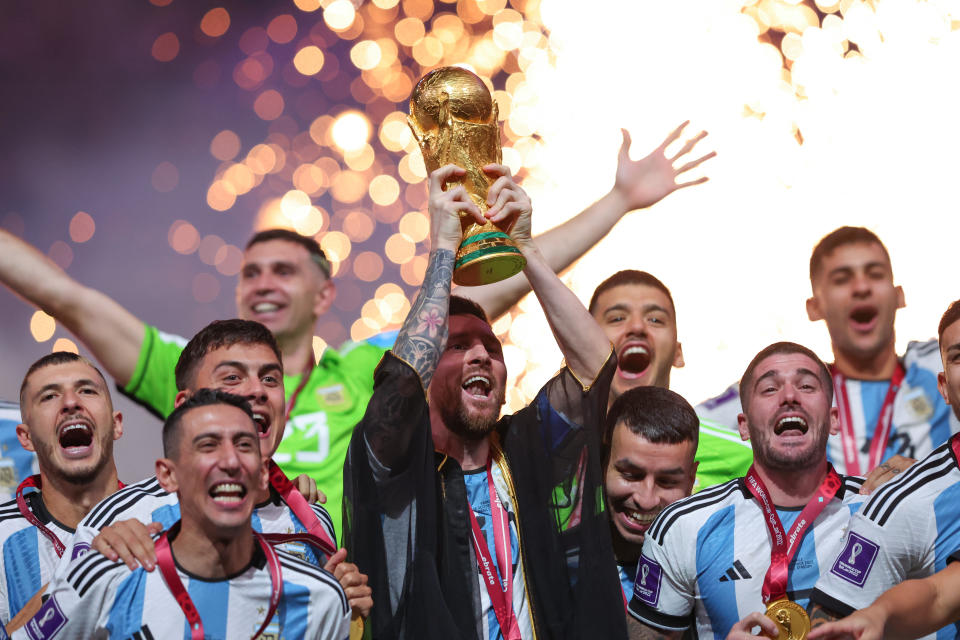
(475, 425)
(791, 459)
(77, 475)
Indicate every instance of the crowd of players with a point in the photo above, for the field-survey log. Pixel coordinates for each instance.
(609, 507)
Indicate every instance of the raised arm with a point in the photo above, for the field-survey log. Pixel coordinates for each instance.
(109, 331)
(423, 335)
(584, 345)
(638, 184)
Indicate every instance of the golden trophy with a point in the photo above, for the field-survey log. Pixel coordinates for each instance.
(454, 119)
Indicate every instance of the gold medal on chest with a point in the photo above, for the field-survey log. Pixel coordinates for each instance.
(791, 619)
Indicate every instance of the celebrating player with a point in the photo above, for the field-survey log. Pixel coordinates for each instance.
(888, 405)
(912, 525)
(241, 357)
(636, 311)
(285, 284)
(463, 542)
(70, 423)
(217, 577)
(706, 559)
(652, 437)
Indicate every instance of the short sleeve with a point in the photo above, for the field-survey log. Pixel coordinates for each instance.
(872, 560)
(664, 592)
(154, 384)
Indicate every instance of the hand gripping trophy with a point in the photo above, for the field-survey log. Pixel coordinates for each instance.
(454, 119)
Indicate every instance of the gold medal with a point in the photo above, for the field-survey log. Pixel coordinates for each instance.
(791, 619)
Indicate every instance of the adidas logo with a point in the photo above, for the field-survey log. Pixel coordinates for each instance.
(736, 572)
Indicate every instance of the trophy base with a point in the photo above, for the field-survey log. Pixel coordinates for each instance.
(486, 258)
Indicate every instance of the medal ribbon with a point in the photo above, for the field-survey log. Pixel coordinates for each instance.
(881, 433)
(301, 509)
(36, 483)
(500, 591)
(955, 445)
(169, 572)
(784, 546)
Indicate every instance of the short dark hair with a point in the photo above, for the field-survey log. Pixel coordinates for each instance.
(202, 398)
(784, 348)
(307, 242)
(951, 315)
(657, 414)
(466, 307)
(217, 335)
(55, 358)
(840, 238)
(629, 276)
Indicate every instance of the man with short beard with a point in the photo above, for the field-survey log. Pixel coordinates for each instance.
(70, 423)
(888, 405)
(713, 558)
(453, 512)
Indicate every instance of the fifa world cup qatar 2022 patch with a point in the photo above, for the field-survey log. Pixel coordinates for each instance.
(855, 561)
(47, 622)
(647, 585)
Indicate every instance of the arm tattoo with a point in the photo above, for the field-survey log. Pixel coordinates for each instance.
(820, 615)
(424, 333)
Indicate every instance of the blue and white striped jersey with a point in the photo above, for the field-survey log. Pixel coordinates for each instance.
(921, 419)
(148, 502)
(705, 557)
(478, 495)
(103, 599)
(16, 463)
(27, 557)
(907, 529)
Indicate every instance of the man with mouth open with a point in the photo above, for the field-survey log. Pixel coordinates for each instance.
(636, 311)
(888, 405)
(713, 558)
(240, 357)
(453, 510)
(217, 578)
(69, 421)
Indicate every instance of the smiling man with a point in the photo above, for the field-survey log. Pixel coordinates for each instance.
(651, 441)
(712, 559)
(636, 311)
(217, 578)
(70, 423)
(889, 405)
(453, 509)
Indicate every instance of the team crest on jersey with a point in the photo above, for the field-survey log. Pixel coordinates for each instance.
(272, 632)
(855, 561)
(919, 404)
(8, 473)
(647, 585)
(79, 550)
(47, 622)
(332, 396)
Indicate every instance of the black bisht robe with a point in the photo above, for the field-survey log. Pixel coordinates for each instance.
(407, 527)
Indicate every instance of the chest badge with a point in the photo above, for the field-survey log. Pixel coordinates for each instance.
(920, 405)
(332, 396)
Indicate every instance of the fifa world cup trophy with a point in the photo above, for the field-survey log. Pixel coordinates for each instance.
(454, 119)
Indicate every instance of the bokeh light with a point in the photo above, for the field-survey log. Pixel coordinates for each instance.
(215, 22)
(82, 227)
(165, 47)
(64, 344)
(42, 326)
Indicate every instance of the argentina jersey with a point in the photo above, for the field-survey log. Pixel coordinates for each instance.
(103, 599)
(907, 529)
(478, 495)
(148, 502)
(27, 557)
(705, 557)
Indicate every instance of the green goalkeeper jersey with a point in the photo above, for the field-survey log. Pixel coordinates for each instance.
(721, 455)
(321, 423)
